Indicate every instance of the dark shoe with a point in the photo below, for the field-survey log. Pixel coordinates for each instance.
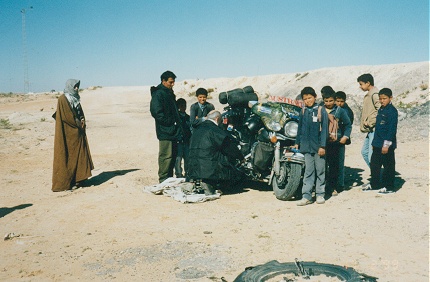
(207, 188)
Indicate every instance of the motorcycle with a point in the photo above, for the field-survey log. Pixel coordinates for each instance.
(265, 134)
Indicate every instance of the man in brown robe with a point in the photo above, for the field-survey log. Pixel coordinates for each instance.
(72, 157)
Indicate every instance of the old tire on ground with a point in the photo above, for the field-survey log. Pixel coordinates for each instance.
(285, 185)
(274, 268)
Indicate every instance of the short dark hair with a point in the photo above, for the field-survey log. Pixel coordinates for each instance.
(341, 95)
(308, 90)
(166, 75)
(201, 91)
(181, 101)
(386, 91)
(367, 77)
(327, 92)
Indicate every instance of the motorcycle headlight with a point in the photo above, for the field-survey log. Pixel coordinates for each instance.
(274, 126)
(290, 129)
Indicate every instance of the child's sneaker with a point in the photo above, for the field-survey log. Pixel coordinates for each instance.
(385, 191)
(320, 200)
(367, 188)
(304, 202)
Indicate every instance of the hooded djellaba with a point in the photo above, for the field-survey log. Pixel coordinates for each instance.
(72, 157)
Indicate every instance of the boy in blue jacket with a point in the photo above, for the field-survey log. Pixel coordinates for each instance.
(311, 138)
(384, 143)
(200, 109)
(335, 150)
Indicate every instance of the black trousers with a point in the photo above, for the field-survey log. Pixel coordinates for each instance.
(387, 161)
(332, 162)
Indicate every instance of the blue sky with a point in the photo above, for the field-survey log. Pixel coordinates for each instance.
(128, 43)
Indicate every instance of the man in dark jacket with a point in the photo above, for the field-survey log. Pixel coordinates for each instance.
(212, 152)
(164, 111)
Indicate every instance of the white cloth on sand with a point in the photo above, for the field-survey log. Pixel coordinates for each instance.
(180, 191)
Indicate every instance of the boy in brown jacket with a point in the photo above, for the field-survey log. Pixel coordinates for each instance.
(371, 105)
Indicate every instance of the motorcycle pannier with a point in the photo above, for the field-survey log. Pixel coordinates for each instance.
(263, 156)
(238, 96)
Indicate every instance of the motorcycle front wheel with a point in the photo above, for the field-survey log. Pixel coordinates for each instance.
(286, 183)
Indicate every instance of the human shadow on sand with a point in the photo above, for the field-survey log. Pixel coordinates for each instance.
(105, 176)
(353, 176)
(398, 182)
(6, 211)
(246, 185)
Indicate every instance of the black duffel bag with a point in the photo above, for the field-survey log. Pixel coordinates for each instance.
(238, 96)
(262, 156)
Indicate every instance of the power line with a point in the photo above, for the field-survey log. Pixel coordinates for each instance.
(24, 51)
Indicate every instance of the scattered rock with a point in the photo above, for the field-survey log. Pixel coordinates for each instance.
(10, 236)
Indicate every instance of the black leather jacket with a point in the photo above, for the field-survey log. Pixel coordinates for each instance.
(164, 111)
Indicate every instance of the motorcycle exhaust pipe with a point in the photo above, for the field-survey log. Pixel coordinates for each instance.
(277, 163)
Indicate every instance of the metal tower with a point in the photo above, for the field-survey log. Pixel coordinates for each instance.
(24, 51)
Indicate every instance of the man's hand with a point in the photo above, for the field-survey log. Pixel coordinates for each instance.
(83, 124)
(343, 140)
(321, 152)
(295, 146)
(366, 125)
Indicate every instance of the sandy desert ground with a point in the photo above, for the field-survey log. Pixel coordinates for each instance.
(112, 230)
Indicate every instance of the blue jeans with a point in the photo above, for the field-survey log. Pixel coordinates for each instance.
(183, 152)
(315, 168)
(366, 150)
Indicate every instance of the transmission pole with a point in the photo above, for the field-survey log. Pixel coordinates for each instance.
(24, 52)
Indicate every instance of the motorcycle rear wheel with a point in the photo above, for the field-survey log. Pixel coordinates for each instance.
(286, 183)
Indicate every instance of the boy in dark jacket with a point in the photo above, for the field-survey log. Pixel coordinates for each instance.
(312, 137)
(341, 102)
(184, 142)
(200, 109)
(335, 150)
(384, 143)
